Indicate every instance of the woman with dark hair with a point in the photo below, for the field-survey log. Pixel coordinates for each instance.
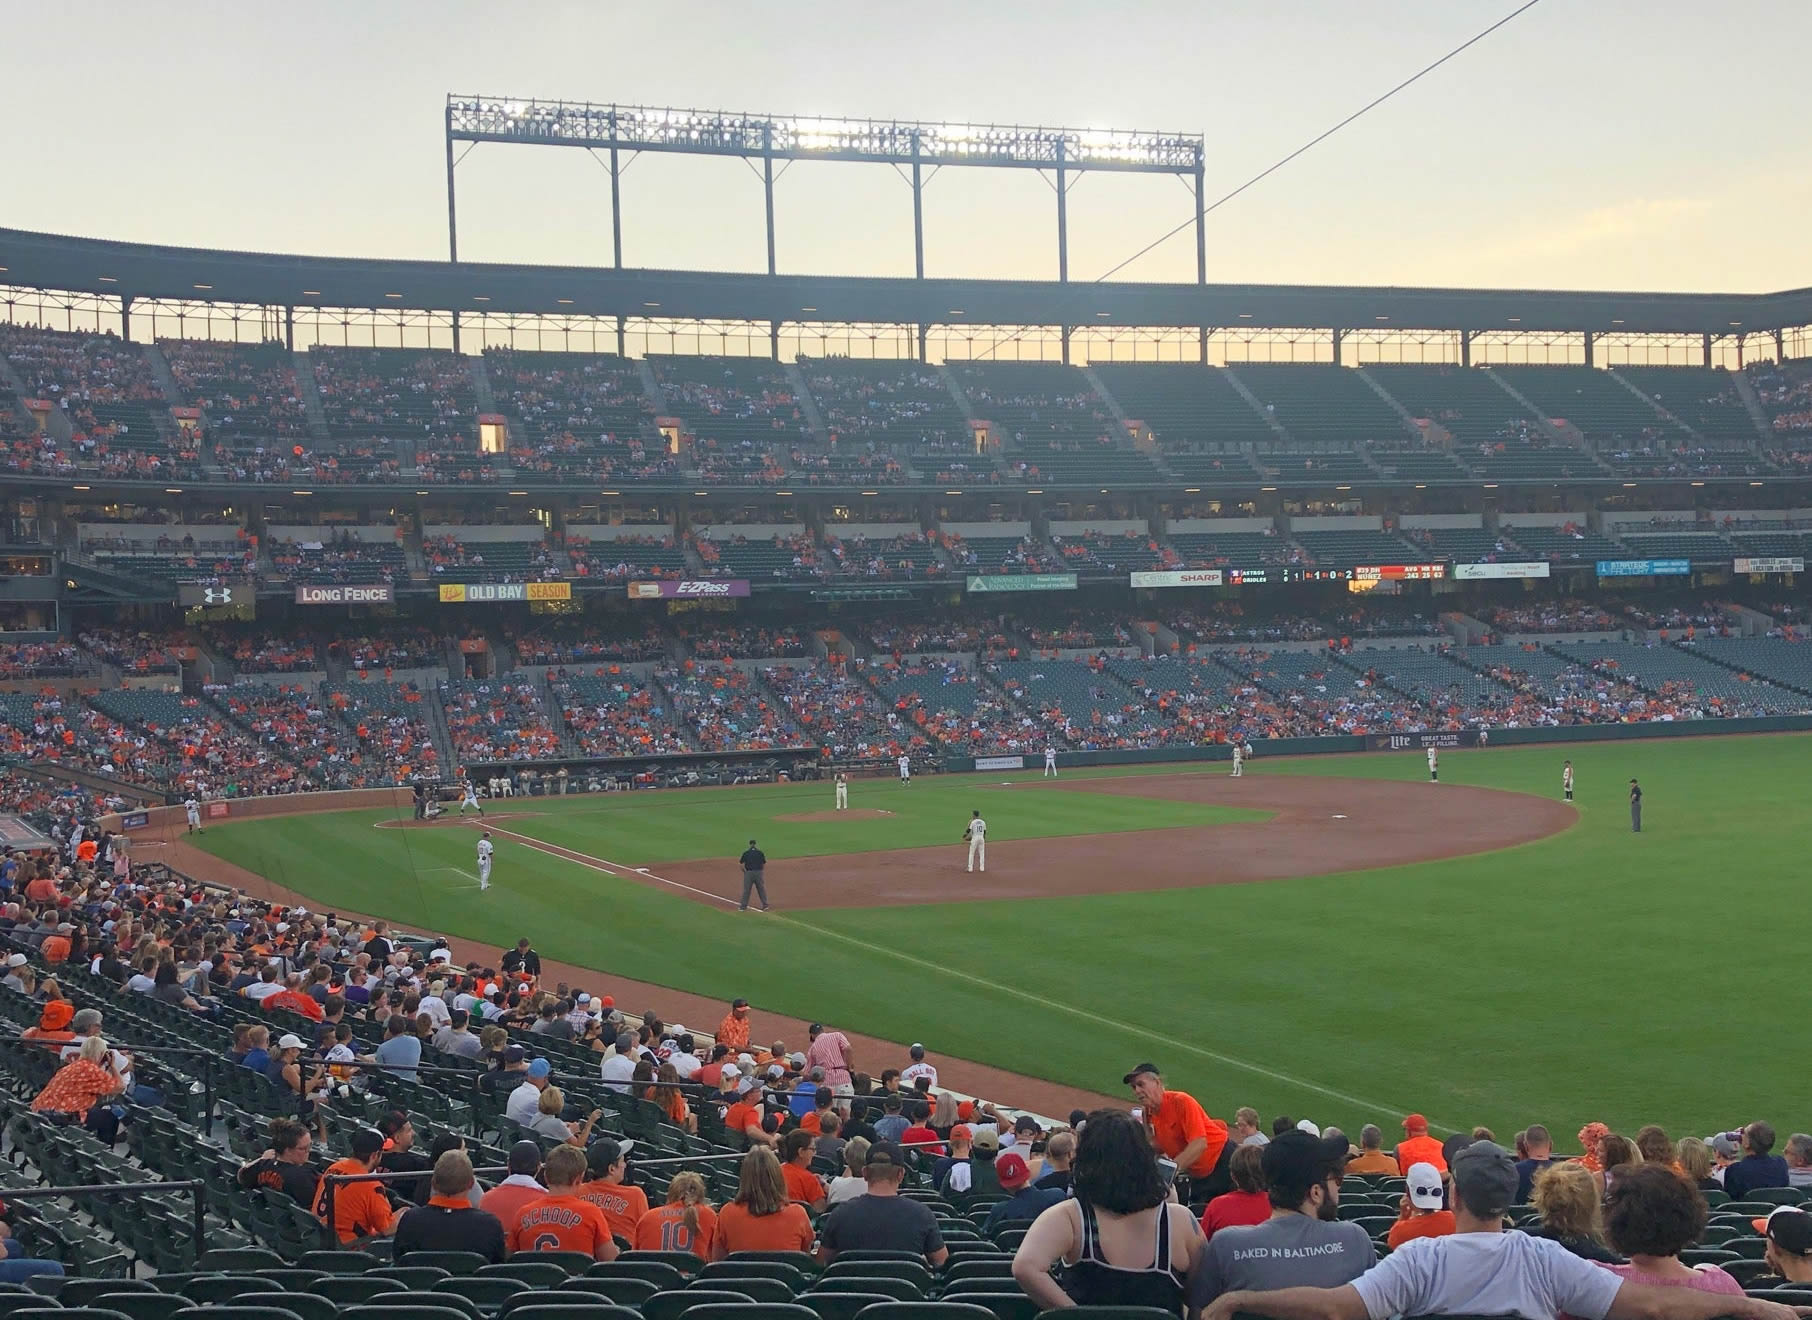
(167, 987)
(1618, 1156)
(1566, 1197)
(1247, 1203)
(1654, 1147)
(1653, 1213)
(1122, 1239)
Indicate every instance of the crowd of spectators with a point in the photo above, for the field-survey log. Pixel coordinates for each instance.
(1785, 390)
(508, 561)
(623, 558)
(499, 719)
(397, 646)
(356, 461)
(581, 641)
(294, 722)
(1029, 555)
(952, 706)
(906, 557)
(1110, 552)
(397, 393)
(1564, 614)
(263, 650)
(246, 390)
(336, 558)
(41, 659)
(729, 710)
(961, 632)
(389, 723)
(893, 406)
(1687, 619)
(1077, 630)
(712, 640)
(617, 715)
(842, 713)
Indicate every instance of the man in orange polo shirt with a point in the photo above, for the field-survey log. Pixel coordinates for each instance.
(1417, 1147)
(563, 1220)
(1182, 1131)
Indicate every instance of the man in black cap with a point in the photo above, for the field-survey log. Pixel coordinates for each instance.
(754, 865)
(881, 1219)
(1182, 1132)
(1482, 1270)
(1304, 1241)
(1789, 1254)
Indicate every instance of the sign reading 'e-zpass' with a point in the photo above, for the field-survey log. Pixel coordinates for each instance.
(472, 593)
(689, 589)
(1023, 582)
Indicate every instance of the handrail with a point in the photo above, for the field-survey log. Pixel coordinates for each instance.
(194, 1186)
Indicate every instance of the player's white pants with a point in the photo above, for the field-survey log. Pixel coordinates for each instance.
(484, 876)
(1050, 768)
(194, 819)
(469, 800)
(1239, 768)
(978, 854)
(905, 779)
(842, 797)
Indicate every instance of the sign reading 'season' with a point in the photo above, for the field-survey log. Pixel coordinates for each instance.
(473, 593)
(372, 593)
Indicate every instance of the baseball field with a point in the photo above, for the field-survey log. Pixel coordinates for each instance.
(1327, 936)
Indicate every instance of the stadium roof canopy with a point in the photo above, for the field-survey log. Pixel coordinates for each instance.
(140, 271)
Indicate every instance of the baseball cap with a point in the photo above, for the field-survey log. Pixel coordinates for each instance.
(602, 1154)
(1725, 1147)
(1012, 1171)
(1308, 1126)
(1484, 1178)
(525, 1157)
(732, 1071)
(987, 1139)
(1295, 1159)
(582, 998)
(961, 1132)
(1142, 1068)
(739, 1003)
(1026, 1123)
(16, 960)
(290, 1042)
(1424, 1186)
(514, 1054)
(885, 1155)
(1415, 1123)
(1789, 1228)
(609, 1001)
(540, 1068)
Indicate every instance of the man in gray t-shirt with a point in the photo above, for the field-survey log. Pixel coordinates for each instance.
(1302, 1243)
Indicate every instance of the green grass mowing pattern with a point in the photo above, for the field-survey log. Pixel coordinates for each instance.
(1587, 976)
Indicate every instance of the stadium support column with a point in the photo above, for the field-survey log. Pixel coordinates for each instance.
(1705, 349)
(1339, 341)
(1063, 231)
(918, 229)
(1201, 246)
(767, 187)
(452, 218)
(1465, 348)
(616, 222)
(126, 317)
(1590, 342)
(1780, 345)
(289, 328)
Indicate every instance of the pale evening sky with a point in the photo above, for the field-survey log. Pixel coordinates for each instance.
(1591, 143)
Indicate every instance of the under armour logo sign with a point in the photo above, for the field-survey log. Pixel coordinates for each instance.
(217, 596)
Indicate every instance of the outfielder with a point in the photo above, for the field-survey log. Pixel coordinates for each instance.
(1566, 781)
(1239, 761)
(1050, 761)
(842, 791)
(193, 809)
(1434, 767)
(470, 798)
(906, 771)
(485, 849)
(977, 838)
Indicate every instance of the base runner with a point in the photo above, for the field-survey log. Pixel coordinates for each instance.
(485, 849)
(976, 836)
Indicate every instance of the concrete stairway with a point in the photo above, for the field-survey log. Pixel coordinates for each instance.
(1240, 388)
(481, 384)
(1652, 402)
(807, 404)
(956, 391)
(1752, 404)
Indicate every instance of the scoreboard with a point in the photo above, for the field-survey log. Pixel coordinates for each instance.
(1400, 572)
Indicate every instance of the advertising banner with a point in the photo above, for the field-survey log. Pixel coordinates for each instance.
(1000, 763)
(1539, 568)
(368, 593)
(1415, 742)
(135, 820)
(1246, 577)
(1644, 567)
(1181, 577)
(475, 593)
(689, 589)
(1792, 564)
(1023, 582)
(219, 596)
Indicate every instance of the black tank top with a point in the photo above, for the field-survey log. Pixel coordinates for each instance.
(1091, 1281)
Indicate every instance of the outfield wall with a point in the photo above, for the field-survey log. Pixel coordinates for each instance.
(167, 819)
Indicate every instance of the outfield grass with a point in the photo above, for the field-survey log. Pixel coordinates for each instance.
(1587, 976)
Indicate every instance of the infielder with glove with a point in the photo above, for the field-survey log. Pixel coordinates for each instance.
(976, 836)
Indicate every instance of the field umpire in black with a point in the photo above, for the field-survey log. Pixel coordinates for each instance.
(754, 862)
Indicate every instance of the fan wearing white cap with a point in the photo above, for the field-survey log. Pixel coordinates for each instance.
(1424, 1212)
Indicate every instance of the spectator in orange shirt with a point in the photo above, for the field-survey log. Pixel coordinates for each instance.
(360, 1209)
(1423, 1211)
(53, 1024)
(802, 1185)
(55, 949)
(87, 850)
(563, 1220)
(79, 1086)
(622, 1204)
(1417, 1147)
(1371, 1158)
(1182, 1131)
(507, 1198)
(734, 1029)
(761, 1218)
(686, 1223)
(743, 1116)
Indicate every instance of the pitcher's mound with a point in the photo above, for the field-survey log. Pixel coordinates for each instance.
(813, 817)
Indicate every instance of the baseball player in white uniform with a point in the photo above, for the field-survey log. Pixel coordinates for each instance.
(906, 770)
(1566, 781)
(1239, 761)
(842, 791)
(1434, 767)
(485, 849)
(470, 798)
(193, 810)
(977, 836)
(1050, 761)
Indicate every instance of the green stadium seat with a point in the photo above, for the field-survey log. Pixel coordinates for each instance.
(528, 1267)
(353, 1289)
(1004, 1305)
(753, 1311)
(411, 1278)
(667, 1269)
(82, 1292)
(151, 1305)
(904, 1290)
(453, 1262)
(843, 1305)
(754, 1288)
(928, 1311)
(622, 1292)
(545, 1306)
(310, 1306)
(735, 1267)
(682, 1302)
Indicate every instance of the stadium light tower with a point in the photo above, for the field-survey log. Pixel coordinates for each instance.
(905, 145)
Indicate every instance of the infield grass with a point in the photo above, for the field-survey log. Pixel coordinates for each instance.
(1596, 974)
